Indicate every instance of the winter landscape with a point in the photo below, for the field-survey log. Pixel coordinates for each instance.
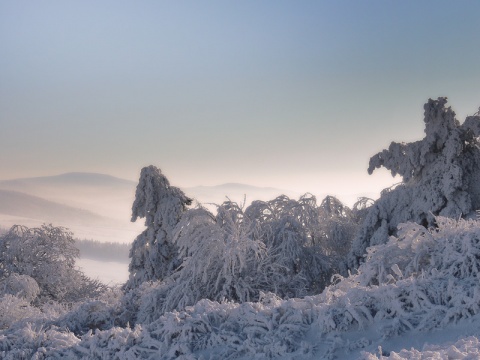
(282, 278)
(239, 180)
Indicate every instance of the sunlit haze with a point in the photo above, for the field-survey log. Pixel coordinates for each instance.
(293, 95)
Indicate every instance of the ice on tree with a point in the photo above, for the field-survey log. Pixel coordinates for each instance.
(153, 254)
(43, 258)
(441, 176)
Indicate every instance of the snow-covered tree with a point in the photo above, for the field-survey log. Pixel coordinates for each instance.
(238, 255)
(441, 176)
(285, 246)
(221, 260)
(45, 256)
(153, 254)
(290, 230)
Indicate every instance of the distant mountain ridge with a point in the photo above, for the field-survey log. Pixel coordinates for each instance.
(102, 194)
(23, 205)
(48, 187)
(68, 179)
(88, 178)
(98, 206)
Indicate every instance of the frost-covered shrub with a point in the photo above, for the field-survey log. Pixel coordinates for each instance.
(46, 254)
(153, 255)
(115, 343)
(221, 254)
(22, 286)
(337, 227)
(441, 176)
(99, 313)
(14, 309)
(292, 233)
(131, 301)
(420, 280)
(285, 246)
(36, 343)
(276, 246)
(51, 330)
(221, 260)
(52, 342)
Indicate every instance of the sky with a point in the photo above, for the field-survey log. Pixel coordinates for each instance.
(289, 94)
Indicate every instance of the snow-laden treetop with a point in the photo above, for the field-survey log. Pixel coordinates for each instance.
(154, 194)
(445, 137)
(153, 255)
(441, 176)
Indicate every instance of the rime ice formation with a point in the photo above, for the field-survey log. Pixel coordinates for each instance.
(38, 265)
(274, 246)
(422, 280)
(441, 176)
(153, 255)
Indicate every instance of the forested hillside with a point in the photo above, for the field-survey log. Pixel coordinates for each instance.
(106, 251)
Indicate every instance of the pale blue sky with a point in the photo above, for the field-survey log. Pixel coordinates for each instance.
(292, 94)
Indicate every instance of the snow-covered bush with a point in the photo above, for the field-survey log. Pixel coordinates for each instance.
(36, 343)
(14, 309)
(441, 176)
(337, 227)
(221, 260)
(47, 255)
(420, 280)
(221, 255)
(99, 313)
(291, 232)
(271, 246)
(22, 286)
(153, 254)
(283, 246)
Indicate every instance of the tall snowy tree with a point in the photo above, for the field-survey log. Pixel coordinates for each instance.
(441, 176)
(153, 254)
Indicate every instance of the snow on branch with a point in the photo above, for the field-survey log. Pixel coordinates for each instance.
(441, 176)
(153, 255)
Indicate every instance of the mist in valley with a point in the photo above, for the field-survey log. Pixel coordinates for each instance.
(97, 209)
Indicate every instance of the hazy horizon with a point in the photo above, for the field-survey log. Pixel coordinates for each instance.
(98, 206)
(295, 96)
(348, 197)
